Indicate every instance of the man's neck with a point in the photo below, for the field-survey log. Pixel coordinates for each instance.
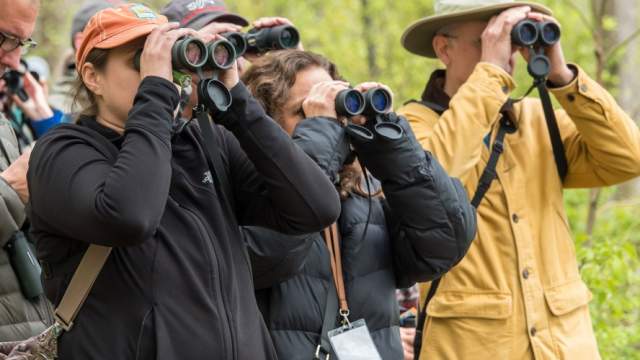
(450, 86)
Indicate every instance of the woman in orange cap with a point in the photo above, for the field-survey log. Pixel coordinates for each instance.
(128, 175)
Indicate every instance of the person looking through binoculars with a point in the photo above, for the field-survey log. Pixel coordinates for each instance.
(406, 221)
(518, 292)
(167, 197)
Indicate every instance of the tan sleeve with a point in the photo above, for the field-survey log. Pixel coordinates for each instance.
(456, 137)
(601, 142)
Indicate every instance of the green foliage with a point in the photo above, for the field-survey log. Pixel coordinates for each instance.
(610, 266)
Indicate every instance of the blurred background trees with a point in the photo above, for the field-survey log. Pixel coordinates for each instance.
(363, 38)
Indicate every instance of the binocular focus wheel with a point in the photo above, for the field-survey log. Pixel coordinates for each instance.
(389, 131)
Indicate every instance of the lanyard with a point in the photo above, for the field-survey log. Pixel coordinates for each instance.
(332, 239)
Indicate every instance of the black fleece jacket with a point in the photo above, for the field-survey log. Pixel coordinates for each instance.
(178, 284)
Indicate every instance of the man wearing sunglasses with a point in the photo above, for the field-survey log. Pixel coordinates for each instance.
(20, 317)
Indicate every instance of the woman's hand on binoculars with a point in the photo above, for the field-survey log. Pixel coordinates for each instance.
(560, 74)
(36, 107)
(209, 32)
(321, 99)
(156, 55)
(496, 37)
(268, 22)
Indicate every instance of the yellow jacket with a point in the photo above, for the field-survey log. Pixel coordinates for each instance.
(518, 292)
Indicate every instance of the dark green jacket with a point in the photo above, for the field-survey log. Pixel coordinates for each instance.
(19, 317)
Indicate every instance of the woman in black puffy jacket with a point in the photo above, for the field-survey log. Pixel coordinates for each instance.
(416, 224)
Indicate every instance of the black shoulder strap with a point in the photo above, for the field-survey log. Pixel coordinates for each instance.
(218, 172)
(489, 172)
(422, 318)
(323, 350)
(554, 132)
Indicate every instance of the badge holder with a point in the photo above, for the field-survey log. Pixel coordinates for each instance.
(351, 340)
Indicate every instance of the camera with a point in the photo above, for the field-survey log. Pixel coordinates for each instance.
(14, 84)
(535, 36)
(263, 40)
(350, 102)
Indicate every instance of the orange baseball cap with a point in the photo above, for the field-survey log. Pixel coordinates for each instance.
(113, 27)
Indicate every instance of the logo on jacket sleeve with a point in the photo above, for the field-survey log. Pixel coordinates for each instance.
(207, 178)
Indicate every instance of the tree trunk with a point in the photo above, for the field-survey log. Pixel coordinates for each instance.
(626, 12)
(369, 31)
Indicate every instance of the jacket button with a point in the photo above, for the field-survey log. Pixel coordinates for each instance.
(583, 88)
(505, 89)
(515, 218)
(571, 97)
(525, 273)
(533, 331)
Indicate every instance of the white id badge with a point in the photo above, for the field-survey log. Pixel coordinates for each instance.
(353, 342)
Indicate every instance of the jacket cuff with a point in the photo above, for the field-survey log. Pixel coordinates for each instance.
(40, 127)
(237, 114)
(325, 141)
(157, 98)
(496, 81)
(490, 82)
(12, 212)
(581, 91)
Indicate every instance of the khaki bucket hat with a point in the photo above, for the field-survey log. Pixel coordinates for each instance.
(417, 38)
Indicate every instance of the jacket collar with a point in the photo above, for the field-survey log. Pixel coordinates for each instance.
(434, 91)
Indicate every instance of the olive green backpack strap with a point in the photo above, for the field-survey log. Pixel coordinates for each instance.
(81, 284)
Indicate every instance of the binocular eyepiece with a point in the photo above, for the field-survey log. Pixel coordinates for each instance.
(263, 40)
(350, 102)
(191, 54)
(530, 33)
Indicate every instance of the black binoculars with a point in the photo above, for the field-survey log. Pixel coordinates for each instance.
(14, 84)
(531, 33)
(191, 54)
(350, 102)
(263, 40)
(534, 36)
(374, 104)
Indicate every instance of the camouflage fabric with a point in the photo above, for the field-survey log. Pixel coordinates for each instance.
(40, 347)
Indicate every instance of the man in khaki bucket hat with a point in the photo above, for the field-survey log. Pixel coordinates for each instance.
(518, 292)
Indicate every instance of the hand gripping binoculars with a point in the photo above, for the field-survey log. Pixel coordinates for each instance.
(373, 105)
(536, 36)
(257, 41)
(192, 55)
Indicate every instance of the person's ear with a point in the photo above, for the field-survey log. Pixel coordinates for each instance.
(91, 78)
(441, 47)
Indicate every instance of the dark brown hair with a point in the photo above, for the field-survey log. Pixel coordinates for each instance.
(83, 99)
(271, 77)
